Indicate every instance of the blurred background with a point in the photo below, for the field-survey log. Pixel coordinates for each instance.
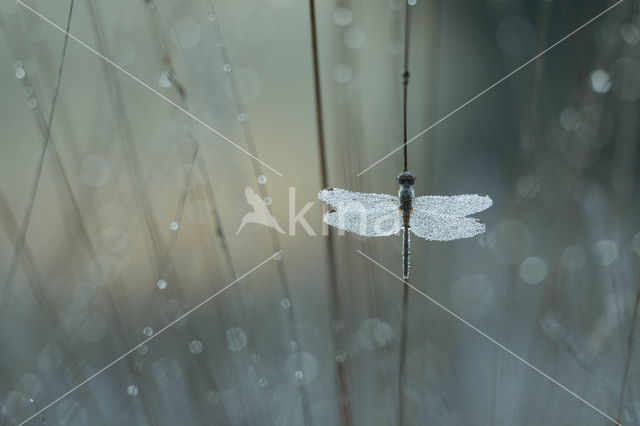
(135, 217)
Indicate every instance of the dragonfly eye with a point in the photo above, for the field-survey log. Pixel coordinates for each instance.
(406, 178)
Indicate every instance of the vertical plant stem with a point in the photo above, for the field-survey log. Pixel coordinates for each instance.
(405, 289)
(334, 297)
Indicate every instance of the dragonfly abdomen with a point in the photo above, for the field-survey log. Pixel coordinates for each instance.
(406, 195)
(405, 253)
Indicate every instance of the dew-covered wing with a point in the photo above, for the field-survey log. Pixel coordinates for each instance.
(443, 228)
(341, 197)
(455, 205)
(383, 220)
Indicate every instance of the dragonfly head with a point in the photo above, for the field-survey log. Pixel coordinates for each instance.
(406, 178)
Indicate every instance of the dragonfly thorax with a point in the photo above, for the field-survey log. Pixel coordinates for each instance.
(406, 193)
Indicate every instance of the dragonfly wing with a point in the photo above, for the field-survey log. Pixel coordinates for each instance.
(444, 228)
(383, 220)
(341, 197)
(456, 205)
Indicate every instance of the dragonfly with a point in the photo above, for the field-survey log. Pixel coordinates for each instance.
(432, 217)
